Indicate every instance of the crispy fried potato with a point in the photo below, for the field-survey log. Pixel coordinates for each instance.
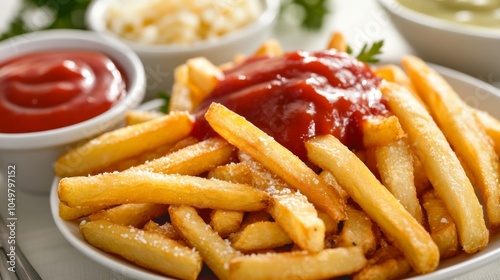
(382, 207)
(395, 166)
(325, 264)
(441, 165)
(191, 160)
(387, 263)
(358, 231)
(202, 77)
(166, 229)
(271, 47)
(226, 222)
(72, 213)
(180, 97)
(441, 225)
(290, 209)
(147, 249)
(136, 215)
(216, 252)
(380, 131)
(337, 42)
(466, 136)
(492, 127)
(253, 141)
(123, 143)
(136, 116)
(148, 187)
(259, 236)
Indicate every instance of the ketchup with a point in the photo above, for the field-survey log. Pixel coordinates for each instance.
(299, 95)
(48, 90)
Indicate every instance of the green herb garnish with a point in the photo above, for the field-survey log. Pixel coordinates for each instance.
(313, 12)
(166, 101)
(50, 15)
(369, 55)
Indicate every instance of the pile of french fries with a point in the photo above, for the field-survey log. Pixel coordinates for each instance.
(247, 208)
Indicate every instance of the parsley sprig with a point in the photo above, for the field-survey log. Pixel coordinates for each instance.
(313, 12)
(368, 53)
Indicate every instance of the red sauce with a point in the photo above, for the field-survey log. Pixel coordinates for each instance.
(48, 90)
(299, 95)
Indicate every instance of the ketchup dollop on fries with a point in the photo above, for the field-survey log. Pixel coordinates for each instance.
(299, 95)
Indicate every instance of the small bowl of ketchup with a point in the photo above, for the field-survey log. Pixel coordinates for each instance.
(58, 88)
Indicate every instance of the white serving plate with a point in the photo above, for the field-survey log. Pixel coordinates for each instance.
(475, 92)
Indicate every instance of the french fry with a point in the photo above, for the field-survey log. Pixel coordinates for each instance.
(136, 215)
(147, 249)
(492, 127)
(441, 225)
(382, 207)
(166, 229)
(72, 213)
(180, 97)
(330, 180)
(271, 47)
(384, 139)
(325, 264)
(358, 231)
(290, 209)
(215, 251)
(387, 263)
(256, 143)
(191, 160)
(203, 76)
(136, 116)
(259, 236)
(458, 123)
(126, 142)
(441, 165)
(337, 42)
(226, 222)
(148, 187)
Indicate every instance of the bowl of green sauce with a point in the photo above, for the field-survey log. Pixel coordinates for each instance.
(459, 34)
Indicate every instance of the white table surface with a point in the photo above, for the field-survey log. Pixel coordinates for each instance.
(54, 258)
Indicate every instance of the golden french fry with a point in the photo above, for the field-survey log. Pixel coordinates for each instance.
(338, 42)
(148, 187)
(136, 116)
(215, 251)
(126, 142)
(136, 215)
(256, 143)
(191, 160)
(226, 222)
(414, 241)
(380, 131)
(395, 166)
(492, 127)
(441, 165)
(358, 231)
(324, 264)
(71, 213)
(203, 76)
(467, 137)
(330, 180)
(271, 47)
(394, 73)
(441, 225)
(180, 97)
(290, 209)
(387, 263)
(259, 236)
(166, 229)
(147, 249)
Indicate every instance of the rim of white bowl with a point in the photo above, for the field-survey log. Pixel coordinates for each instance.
(437, 23)
(97, 8)
(76, 39)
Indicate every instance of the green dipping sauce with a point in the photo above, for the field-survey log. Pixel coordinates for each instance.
(482, 13)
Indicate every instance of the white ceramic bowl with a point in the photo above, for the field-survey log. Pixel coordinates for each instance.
(469, 49)
(34, 153)
(160, 60)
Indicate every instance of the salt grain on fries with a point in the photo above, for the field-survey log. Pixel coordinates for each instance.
(248, 208)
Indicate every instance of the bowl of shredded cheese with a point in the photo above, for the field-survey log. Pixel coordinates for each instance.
(165, 34)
